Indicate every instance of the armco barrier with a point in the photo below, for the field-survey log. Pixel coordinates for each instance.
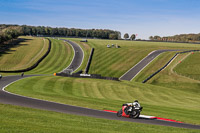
(95, 76)
(89, 61)
(167, 64)
(34, 65)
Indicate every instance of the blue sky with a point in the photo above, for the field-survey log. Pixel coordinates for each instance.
(142, 17)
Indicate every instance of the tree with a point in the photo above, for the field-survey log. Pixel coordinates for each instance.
(157, 38)
(10, 33)
(133, 37)
(126, 36)
(113, 36)
(151, 38)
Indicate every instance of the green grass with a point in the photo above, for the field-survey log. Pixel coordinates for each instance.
(103, 94)
(190, 67)
(59, 58)
(114, 62)
(25, 120)
(24, 53)
(169, 78)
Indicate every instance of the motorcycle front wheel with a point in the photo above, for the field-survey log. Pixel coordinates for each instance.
(135, 114)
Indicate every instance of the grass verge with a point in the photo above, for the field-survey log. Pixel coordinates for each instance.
(25, 120)
(190, 67)
(102, 94)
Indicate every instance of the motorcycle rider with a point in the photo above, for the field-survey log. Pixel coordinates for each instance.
(135, 104)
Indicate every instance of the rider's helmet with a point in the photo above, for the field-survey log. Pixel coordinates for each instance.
(135, 103)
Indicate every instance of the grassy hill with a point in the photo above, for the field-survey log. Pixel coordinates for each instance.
(59, 58)
(172, 79)
(168, 94)
(114, 62)
(190, 67)
(23, 53)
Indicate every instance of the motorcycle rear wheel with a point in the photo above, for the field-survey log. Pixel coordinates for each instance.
(119, 113)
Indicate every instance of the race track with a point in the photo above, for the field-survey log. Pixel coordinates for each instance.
(78, 56)
(130, 74)
(9, 98)
(13, 99)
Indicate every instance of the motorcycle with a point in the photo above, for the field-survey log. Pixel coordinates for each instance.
(129, 111)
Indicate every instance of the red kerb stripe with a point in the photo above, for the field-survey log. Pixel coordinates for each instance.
(159, 118)
(164, 119)
(110, 111)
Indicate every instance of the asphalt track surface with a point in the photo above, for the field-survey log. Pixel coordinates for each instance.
(78, 56)
(130, 74)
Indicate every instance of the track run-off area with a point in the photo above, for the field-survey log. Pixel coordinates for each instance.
(13, 99)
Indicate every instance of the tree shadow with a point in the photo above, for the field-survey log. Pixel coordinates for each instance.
(6, 48)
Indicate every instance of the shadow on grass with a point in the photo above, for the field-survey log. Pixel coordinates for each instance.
(6, 48)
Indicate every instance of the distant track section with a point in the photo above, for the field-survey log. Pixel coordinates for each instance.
(151, 76)
(130, 74)
(78, 57)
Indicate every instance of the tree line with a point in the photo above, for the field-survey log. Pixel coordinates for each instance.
(126, 36)
(70, 32)
(178, 38)
(8, 33)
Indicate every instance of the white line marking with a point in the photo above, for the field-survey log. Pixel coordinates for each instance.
(146, 116)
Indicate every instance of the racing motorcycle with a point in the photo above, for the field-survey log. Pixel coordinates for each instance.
(129, 111)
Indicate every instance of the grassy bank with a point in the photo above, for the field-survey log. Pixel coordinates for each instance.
(103, 94)
(115, 62)
(169, 78)
(59, 58)
(190, 67)
(25, 120)
(23, 53)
